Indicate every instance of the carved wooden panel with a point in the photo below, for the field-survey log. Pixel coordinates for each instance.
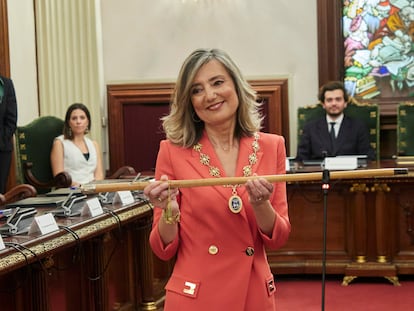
(369, 229)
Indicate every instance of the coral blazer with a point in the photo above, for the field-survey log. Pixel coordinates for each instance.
(221, 262)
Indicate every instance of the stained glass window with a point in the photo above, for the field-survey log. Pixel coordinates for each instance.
(379, 49)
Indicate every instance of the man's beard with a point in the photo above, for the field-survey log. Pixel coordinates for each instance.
(334, 115)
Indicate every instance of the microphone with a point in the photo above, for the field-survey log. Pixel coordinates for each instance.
(325, 177)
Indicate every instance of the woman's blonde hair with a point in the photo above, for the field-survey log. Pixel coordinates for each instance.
(182, 126)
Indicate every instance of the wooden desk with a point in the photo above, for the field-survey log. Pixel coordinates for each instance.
(101, 263)
(370, 226)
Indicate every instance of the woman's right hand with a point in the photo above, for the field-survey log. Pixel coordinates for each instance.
(162, 196)
(158, 192)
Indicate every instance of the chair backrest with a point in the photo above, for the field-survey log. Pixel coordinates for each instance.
(405, 129)
(33, 145)
(366, 112)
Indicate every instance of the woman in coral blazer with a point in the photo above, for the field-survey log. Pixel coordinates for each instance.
(218, 233)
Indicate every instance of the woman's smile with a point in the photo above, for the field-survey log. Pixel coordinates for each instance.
(216, 106)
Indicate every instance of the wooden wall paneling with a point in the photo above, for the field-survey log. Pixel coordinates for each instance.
(275, 93)
(119, 97)
(383, 219)
(330, 43)
(403, 243)
(303, 251)
(96, 268)
(369, 230)
(131, 105)
(123, 289)
(13, 290)
(144, 267)
(73, 291)
(359, 222)
(4, 40)
(39, 289)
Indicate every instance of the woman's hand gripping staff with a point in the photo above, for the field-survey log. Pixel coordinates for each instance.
(161, 195)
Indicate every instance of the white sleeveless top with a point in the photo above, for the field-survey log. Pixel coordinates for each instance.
(74, 162)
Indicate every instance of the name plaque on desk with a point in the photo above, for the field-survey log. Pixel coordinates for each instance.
(2, 246)
(341, 163)
(45, 223)
(124, 197)
(92, 208)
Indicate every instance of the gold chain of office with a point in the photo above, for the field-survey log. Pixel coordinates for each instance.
(235, 202)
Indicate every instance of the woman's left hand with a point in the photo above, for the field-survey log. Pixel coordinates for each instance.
(259, 190)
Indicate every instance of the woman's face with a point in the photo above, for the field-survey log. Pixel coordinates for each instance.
(213, 94)
(78, 121)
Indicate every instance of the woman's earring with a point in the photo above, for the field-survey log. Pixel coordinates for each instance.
(87, 130)
(70, 132)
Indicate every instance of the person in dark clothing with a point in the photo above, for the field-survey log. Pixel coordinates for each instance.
(334, 134)
(8, 122)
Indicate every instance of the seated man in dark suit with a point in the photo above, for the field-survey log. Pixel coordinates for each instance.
(348, 137)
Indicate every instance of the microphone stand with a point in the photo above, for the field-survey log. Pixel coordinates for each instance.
(325, 188)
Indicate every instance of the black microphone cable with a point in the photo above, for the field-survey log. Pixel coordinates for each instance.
(78, 249)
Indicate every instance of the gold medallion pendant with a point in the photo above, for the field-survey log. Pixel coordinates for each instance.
(235, 204)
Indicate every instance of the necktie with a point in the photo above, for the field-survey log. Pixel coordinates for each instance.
(332, 134)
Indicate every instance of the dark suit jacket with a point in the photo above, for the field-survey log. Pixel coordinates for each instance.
(352, 139)
(8, 114)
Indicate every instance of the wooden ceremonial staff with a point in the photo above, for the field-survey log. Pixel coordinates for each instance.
(188, 183)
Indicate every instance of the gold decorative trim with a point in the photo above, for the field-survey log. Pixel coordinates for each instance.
(355, 102)
(383, 187)
(382, 259)
(360, 259)
(357, 187)
(393, 279)
(407, 104)
(348, 279)
(149, 306)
